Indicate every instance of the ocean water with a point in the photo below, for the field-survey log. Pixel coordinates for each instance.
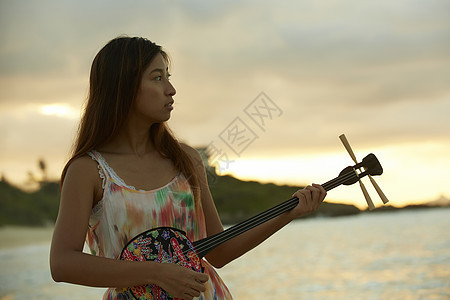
(392, 255)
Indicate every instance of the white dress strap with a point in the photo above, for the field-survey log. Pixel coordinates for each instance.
(103, 168)
(106, 172)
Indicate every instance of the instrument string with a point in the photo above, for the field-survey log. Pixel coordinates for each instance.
(205, 245)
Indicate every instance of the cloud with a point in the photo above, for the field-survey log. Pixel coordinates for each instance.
(26, 130)
(27, 135)
(27, 89)
(377, 71)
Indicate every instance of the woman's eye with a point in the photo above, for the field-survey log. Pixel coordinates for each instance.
(160, 77)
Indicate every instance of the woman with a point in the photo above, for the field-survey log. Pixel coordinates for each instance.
(128, 174)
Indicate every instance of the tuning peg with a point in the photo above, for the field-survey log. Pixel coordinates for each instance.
(379, 191)
(346, 144)
(366, 195)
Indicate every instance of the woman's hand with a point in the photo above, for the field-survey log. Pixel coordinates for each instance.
(309, 200)
(181, 282)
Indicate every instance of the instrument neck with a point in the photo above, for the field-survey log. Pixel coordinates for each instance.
(205, 245)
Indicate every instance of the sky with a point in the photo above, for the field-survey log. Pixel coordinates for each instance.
(267, 86)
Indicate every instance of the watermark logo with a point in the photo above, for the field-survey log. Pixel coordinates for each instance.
(240, 133)
(262, 109)
(218, 157)
(238, 136)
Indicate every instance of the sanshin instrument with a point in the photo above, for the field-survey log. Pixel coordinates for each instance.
(170, 245)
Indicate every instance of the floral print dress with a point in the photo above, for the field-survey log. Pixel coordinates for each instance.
(125, 212)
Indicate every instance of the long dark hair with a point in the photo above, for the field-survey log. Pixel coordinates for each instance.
(114, 83)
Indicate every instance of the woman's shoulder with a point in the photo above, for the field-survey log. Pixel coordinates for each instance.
(83, 172)
(83, 167)
(84, 162)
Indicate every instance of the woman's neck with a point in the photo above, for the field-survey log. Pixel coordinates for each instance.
(131, 141)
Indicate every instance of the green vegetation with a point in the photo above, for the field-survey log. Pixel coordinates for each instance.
(239, 200)
(38, 208)
(236, 201)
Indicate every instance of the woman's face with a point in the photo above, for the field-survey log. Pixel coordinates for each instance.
(154, 99)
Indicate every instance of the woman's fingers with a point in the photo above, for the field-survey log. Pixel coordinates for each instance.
(197, 285)
(197, 288)
(309, 198)
(323, 192)
(318, 194)
(183, 282)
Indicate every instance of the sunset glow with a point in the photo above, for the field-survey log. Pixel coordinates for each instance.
(60, 110)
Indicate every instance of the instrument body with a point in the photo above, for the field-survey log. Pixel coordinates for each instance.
(170, 245)
(162, 245)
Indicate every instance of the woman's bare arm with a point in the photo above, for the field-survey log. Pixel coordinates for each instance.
(309, 200)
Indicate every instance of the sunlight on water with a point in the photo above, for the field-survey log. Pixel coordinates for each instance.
(399, 255)
(403, 255)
